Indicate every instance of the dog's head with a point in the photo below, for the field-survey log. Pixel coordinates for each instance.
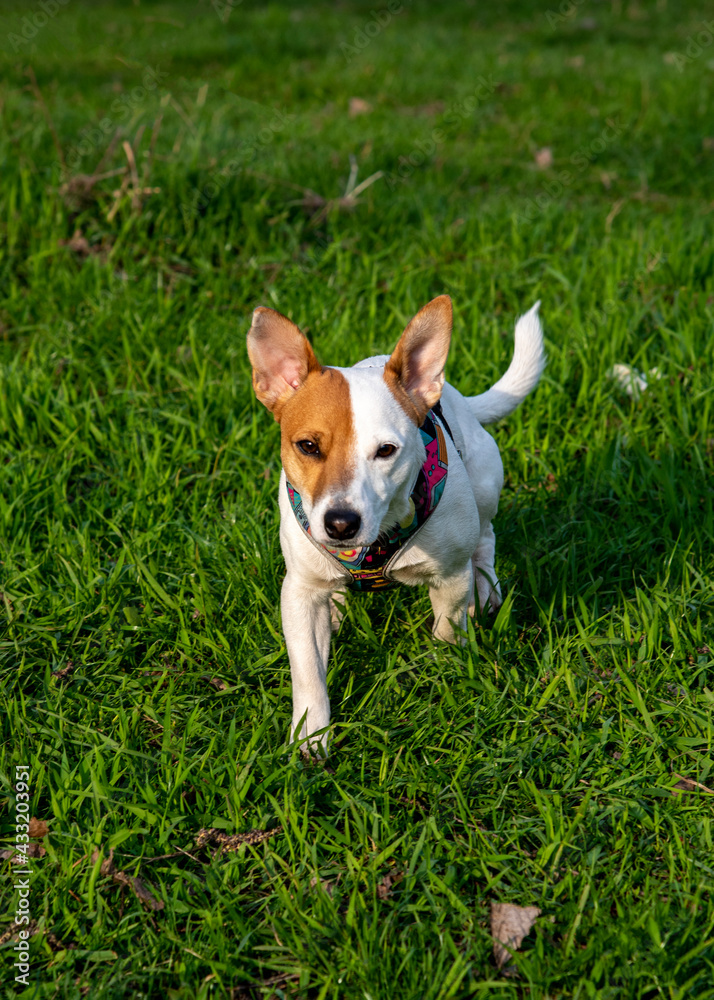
(348, 435)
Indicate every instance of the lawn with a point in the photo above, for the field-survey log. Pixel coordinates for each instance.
(166, 167)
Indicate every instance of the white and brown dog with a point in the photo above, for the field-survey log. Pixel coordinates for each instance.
(388, 476)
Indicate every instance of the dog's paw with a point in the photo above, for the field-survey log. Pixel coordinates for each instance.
(315, 751)
(315, 747)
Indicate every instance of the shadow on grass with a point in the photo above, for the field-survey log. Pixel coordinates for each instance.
(639, 521)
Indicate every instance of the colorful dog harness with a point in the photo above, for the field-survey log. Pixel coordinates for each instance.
(368, 567)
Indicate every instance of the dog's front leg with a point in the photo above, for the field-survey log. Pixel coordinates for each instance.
(450, 601)
(306, 625)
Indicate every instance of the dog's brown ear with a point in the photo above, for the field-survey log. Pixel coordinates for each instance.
(416, 367)
(281, 358)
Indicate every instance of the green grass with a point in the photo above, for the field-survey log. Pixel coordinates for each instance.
(138, 481)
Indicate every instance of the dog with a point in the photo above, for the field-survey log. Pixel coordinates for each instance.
(388, 477)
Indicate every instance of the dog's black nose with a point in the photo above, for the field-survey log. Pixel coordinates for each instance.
(342, 523)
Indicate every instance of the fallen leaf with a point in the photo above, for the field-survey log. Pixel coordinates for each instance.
(38, 828)
(231, 842)
(142, 891)
(708, 143)
(13, 932)
(140, 888)
(64, 672)
(577, 62)
(688, 785)
(107, 866)
(359, 107)
(32, 851)
(509, 925)
(385, 887)
(56, 944)
(677, 690)
(325, 884)
(77, 244)
(544, 158)
(215, 682)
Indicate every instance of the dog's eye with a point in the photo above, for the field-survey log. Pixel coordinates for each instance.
(307, 447)
(385, 450)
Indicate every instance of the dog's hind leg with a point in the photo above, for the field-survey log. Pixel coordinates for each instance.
(450, 602)
(488, 588)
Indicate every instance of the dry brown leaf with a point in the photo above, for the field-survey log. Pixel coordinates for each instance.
(708, 143)
(215, 682)
(688, 785)
(77, 244)
(64, 672)
(140, 888)
(56, 944)
(509, 925)
(231, 842)
(33, 851)
(325, 884)
(38, 828)
(385, 887)
(107, 866)
(359, 107)
(12, 933)
(544, 158)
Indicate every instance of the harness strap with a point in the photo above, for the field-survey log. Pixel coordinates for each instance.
(440, 414)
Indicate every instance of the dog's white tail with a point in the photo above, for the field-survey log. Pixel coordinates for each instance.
(522, 375)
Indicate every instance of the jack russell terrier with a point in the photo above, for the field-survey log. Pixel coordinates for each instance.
(388, 477)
